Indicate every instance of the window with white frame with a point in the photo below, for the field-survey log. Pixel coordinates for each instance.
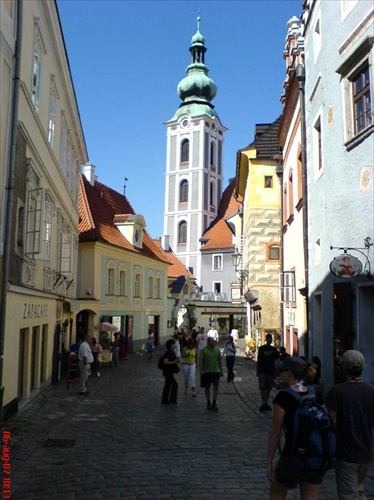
(185, 151)
(34, 220)
(158, 288)
(358, 93)
(213, 154)
(137, 284)
(287, 289)
(150, 287)
(183, 191)
(52, 116)
(47, 231)
(110, 281)
(217, 286)
(65, 250)
(317, 139)
(36, 77)
(217, 262)
(122, 283)
(182, 233)
(63, 145)
(212, 198)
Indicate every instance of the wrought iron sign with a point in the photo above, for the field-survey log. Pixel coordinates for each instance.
(346, 265)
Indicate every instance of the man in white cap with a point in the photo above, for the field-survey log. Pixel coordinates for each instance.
(351, 404)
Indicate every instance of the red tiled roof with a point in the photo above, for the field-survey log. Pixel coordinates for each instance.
(218, 235)
(98, 207)
(176, 268)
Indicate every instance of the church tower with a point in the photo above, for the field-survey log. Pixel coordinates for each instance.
(194, 161)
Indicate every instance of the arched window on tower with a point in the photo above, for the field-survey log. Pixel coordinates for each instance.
(213, 154)
(185, 151)
(183, 191)
(211, 195)
(182, 233)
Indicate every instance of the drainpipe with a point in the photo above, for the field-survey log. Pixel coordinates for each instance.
(10, 190)
(300, 76)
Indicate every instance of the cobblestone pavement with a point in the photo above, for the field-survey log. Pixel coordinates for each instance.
(128, 445)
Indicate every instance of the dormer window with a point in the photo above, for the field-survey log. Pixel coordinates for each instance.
(131, 227)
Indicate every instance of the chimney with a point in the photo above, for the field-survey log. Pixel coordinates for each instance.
(89, 172)
(165, 242)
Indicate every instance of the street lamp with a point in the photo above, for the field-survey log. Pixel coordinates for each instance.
(236, 259)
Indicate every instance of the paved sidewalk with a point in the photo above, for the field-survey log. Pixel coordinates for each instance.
(127, 445)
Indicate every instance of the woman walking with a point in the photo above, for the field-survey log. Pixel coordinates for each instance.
(189, 368)
(287, 474)
(170, 391)
(230, 353)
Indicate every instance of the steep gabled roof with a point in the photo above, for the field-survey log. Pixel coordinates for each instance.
(176, 268)
(266, 139)
(98, 206)
(218, 235)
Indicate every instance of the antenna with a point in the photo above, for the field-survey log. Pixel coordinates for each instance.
(124, 186)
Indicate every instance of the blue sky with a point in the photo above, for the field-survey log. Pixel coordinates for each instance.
(127, 58)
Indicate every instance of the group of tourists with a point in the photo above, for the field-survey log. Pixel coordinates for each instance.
(348, 411)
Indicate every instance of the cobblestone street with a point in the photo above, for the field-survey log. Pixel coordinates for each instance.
(128, 445)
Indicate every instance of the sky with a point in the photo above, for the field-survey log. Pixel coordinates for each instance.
(127, 58)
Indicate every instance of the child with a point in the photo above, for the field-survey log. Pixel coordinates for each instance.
(150, 346)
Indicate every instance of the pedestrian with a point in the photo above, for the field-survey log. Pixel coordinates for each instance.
(235, 334)
(351, 405)
(85, 359)
(170, 391)
(115, 351)
(97, 355)
(288, 475)
(316, 364)
(149, 345)
(213, 333)
(266, 358)
(201, 340)
(122, 346)
(210, 364)
(282, 353)
(189, 367)
(230, 352)
(74, 348)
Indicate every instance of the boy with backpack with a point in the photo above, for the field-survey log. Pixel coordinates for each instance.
(307, 453)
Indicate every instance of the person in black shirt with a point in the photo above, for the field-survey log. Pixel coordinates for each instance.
(267, 355)
(170, 391)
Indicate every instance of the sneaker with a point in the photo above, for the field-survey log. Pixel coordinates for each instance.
(209, 406)
(215, 408)
(98, 374)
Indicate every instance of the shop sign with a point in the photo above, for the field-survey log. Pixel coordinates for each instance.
(346, 266)
(35, 311)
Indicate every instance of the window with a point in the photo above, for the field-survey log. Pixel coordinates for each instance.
(110, 281)
(217, 287)
(183, 192)
(317, 43)
(137, 285)
(63, 139)
(150, 287)
(122, 283)
(33, 228)
(65, 247)
(213, 154)
(273, 252)
(362, 98)
(287, 286)
(47, 236)
(52, 118)
(158, 288)
(36, 75)
(268, 181)
(20, 226)
(185, 151)
(182, 232)
(217, 261)
(211, 195)
(290, 198)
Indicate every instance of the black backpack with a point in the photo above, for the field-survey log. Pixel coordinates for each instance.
(160, 363)
(313, 434)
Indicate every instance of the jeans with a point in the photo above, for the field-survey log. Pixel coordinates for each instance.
(115, 357)
(350, 480)
(83, 376)
(230, 361)
(189, 375)
(170, 392)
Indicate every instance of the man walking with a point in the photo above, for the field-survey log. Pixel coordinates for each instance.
(213, 333)
(85, 357)
(210, 364)
(351, 404)
(267, 355)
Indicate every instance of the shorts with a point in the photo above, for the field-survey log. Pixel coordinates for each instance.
(208, 379)
(265, 382)
(290, 475)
